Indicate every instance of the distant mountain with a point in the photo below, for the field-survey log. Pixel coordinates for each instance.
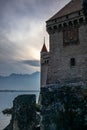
(20, 81)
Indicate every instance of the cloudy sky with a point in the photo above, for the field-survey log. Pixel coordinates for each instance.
(22, 30)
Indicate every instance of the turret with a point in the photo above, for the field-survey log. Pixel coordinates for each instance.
(44, 64)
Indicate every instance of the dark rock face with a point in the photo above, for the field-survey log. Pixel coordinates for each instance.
(64, 108)
(24, 113)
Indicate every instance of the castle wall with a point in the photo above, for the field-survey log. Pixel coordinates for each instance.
(59, 64)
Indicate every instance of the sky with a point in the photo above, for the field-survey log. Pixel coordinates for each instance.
(22, 31)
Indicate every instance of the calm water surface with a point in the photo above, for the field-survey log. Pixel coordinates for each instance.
(6, 101)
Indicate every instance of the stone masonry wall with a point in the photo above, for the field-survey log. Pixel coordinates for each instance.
(59, 68)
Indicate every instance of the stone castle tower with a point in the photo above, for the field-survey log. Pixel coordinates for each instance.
(67, 56)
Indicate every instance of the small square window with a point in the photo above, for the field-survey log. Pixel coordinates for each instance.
(72, 62)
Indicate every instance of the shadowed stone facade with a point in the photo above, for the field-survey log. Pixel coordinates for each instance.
(68, 45)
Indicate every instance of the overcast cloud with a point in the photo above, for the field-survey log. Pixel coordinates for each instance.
(22, 30)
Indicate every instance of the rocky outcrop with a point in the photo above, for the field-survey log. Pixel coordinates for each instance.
(23, 113)
(64, 107)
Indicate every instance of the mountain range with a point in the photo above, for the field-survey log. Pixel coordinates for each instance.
(20, 82)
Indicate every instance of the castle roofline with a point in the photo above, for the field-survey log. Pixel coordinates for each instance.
(71, 7)
(44, 49)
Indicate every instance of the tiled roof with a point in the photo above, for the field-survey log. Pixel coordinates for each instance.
(71, 7)
(44, 49)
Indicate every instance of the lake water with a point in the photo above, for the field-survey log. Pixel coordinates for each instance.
(6, 101)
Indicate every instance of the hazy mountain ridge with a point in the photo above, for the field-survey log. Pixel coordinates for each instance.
(20, 81)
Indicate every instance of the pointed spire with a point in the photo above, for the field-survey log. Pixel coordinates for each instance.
(44, 49)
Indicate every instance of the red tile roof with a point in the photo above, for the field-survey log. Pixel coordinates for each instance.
(71, 7)
(44, 49)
